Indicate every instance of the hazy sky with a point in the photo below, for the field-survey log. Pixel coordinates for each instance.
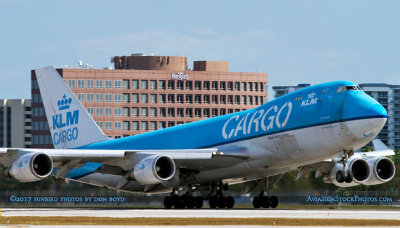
(293, 41)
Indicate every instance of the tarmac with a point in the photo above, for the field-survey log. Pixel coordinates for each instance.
(204, 213)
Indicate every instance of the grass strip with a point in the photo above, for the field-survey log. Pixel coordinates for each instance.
(35, 220)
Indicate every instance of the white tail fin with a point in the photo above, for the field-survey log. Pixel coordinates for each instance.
(70, 124)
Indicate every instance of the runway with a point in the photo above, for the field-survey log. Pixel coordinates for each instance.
(204, 213)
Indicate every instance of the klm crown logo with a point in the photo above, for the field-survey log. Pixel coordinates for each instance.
(64, 103)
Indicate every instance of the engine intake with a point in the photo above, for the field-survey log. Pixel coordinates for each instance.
(31, 167)
(382, 169)
(154, 169)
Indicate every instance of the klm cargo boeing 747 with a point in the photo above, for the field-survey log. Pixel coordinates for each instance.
(319, 127)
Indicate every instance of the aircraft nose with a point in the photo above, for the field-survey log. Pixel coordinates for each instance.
(366, 117)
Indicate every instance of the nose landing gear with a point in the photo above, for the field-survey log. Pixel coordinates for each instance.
(345, 175)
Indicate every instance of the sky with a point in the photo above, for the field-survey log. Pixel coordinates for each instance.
(302, 41)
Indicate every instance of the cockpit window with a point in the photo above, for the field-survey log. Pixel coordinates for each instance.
(348, 88)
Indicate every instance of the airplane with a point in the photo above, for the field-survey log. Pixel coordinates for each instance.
(319, 127)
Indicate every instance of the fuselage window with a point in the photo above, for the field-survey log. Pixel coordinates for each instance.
(348, 88)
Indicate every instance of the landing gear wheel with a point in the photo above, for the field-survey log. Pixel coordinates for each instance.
(213, 202)
(230, 202)
(187, 201)
(340, 176)
(273, 201)
(221, 202)
(198, 202)
(168, 202)
(264, 201)
(177, 202)
(349, 177)
(257, 202)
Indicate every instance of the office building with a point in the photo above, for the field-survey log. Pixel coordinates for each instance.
(15, 123)
(146, 93)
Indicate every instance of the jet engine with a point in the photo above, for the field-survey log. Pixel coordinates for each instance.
(382, 169)
(359, 169)
(154, 170)
(31, 167)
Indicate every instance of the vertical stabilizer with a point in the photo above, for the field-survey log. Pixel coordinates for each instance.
(70, 124)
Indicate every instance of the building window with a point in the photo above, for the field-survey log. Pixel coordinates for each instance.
(135, 125)
(179, 98)
(222, 99)
(134, 111)
(108, 112)
(171, 124)
(237, 99)
(230, 111)
(161, 84)
(189, 98)
(117, 84)
(99, 84)
(206, 85)
(81, 97)
(90, 111)
(125, 97)
(143, 111)
(108, 125)
(153, 84)
(117, 125)
(81, 84)
(108, 84)
(261, 86)
(237, 86)
(250, 86)
(153, 125)
(255, 86)
(89, 97)
(90, 84)
(100, 124)
(189, 112)
(99, 111)
(99, 97)
(162, 112)
(197, 112)
(171, 112)
(255, 100)
(243, 99)
(143, 125)
(243, 87)
(125, 111)
(125, 84)
(215, 85)
(179, 85)
(117, 111)
(206, 99)
(161, 98)
(230, 86)
(215, 99)
(153, 112)
(214, 112)
(143, 98)
(206, 112)
(250, 100)
(222, 85)
(171, 98)
(108, 98)
(189, 85)
(197, 99)
(125, 125)
(153, 98)
(135, 84)
(171, 85)
(135, 97)
(117, 98)
(180, 112)
(71, 84)
(143, 84)
(162, 125)
(222, 111)
(197, 85)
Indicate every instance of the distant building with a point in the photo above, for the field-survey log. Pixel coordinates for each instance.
(389, 97)
(15, 123)
(283, 90)
(146, 93)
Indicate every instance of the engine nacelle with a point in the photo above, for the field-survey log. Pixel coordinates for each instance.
(31, 167)
(382, 169)
(154, 170)
(359, 168)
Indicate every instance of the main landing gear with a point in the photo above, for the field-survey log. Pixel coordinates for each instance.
(262, 200)
(219, 200)
(345, 175)
(182, 202)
